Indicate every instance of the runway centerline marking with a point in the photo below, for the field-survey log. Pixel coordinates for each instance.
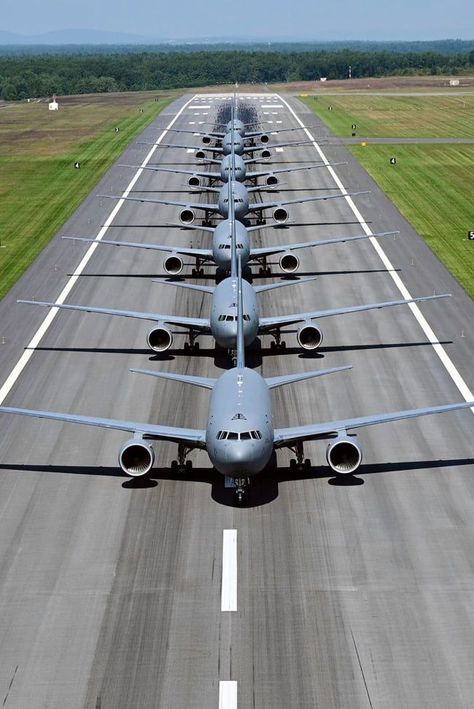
(423, 323)
(43, 328)
(229, 570)
(228, 695)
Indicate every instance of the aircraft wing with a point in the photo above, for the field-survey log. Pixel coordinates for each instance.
(189, 436)
(276, 321)
(270, 146)
(270, 250)
(202, 253)
(176, 171)
(258, 206)
(274, 382)
(178, 145)
(203, 382)
(285, 436)
(173, 203)
(200, 324)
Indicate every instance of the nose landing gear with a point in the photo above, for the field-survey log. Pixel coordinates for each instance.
(241, 490)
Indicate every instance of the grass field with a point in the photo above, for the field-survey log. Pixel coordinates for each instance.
(432, 185)
(397, 116)
(39, 187)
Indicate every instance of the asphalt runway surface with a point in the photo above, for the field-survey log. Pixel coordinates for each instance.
(350, 593)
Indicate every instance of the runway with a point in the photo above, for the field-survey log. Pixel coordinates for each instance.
(346, 595)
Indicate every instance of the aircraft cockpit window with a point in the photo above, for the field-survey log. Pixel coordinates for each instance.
(233, 436)
(245, 436)
(256, 434)
(229, 318)
(221, 318)
(221, 435)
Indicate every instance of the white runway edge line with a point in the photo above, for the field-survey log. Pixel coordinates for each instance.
(43, 328)
(229, 570)
(228, 695)
(438, 348)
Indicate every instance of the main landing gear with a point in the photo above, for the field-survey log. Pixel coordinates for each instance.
(182, 465)
(300, 463)
(192, 345)
(278, 343)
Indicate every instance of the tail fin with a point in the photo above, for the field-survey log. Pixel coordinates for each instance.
(240, 363)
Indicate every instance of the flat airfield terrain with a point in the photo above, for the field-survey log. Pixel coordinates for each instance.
(39, 185)
(431, 182)
(350, 593)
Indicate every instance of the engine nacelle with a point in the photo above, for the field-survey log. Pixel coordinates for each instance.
(280, 215)
(206, 139)
(199, 154)
(289, 262)
(160, 338)
(271, 180)
(309, 336)
(265, 154)
(194, 181)
(264, 138)
(187, 215)
(173, 264)
(344, 455)
(136, 457)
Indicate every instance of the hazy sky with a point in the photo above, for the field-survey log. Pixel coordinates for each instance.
(331, 19)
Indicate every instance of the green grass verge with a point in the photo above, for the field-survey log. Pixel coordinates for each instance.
(39, 187)
(431, 185)
(396, 116)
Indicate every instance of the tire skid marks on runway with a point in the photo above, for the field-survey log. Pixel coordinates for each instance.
(43, 328)
(446, 360)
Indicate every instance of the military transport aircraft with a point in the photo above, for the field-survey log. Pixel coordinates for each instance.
(239, 436)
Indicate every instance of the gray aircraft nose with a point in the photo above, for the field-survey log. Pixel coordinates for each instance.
(242, 458)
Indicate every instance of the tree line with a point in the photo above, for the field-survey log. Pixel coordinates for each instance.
(30, 76)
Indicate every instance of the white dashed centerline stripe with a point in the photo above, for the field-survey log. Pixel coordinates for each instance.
(435, 343)
(229, 570)
(43, 328)
(228, 695)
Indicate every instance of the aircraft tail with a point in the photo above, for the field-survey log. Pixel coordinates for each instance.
(240, 362)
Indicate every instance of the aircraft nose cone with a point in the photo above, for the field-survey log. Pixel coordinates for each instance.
(243, 458)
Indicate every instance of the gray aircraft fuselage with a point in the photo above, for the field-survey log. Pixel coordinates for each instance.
(234, 140)
(222, 242)
(241, 200)
(224, 313)
(240, 168)
(238, 126)
(239, 431)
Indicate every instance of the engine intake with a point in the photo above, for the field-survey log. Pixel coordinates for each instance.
(280, 215)
(160, 338)
(289, 262)
(265, 154)
(173, 264)
(206, 139)
(200, 154)
(344, 455)
(309, 337)
(136, 457)
(194, 181)
(187, 216)
(271, 180)
(264, 138)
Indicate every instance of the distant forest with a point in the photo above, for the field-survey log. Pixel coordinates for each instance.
(27, 76)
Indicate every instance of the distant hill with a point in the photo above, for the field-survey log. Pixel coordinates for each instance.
(73, 36)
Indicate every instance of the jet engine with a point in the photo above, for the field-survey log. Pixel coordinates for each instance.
(136, 457)
(280, 215)
(264, 138)
(194, 181)
(199, 154)
(289, 262)
(160, 338)
(187, 215)
(173, 264)
(271, 180)
(265, 154)
(309, 336)
(344, 455)
(206, 139)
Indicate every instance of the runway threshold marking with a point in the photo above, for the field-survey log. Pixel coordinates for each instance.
(229, 571)
(43, 328)
(446, 360)
(228, 695)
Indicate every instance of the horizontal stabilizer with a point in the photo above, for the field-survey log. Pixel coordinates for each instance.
(203, 382)
(274, 382)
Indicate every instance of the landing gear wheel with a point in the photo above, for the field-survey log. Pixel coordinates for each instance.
(196, 347)
(283, 345)
(189, 465)
(186, 346)
(307, 464)
(174, 465)
(292, 463)
(273, 345)
(194, 272)
(241, 490)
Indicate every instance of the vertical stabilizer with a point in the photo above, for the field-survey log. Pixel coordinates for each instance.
(240, 362)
